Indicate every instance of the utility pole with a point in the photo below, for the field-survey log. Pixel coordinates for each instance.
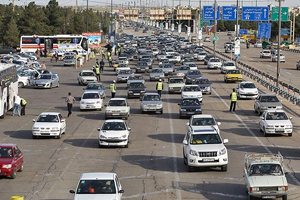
(215, 26)
(189, 20)
(278, 47)
(76, 6)
(111, 18)
(237, 26)
(294, 18)
(200, 27)
(87, 15)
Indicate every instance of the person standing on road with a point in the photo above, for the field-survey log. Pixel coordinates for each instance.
(103, 53)
(102, 65)
(23, 106)
(113, 89)
(233, 97)
(97, 71)
(43, 65)
(159, 87)
(17, 104)
(97, 62)
(110, 61)
(70, 102)
(108, 54)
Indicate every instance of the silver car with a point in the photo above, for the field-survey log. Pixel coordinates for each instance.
(46, 81)
(156, 74)
(99, 87)
(266, 102)
(151, 102)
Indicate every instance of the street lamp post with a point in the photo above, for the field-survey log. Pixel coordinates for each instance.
(215, 26)
(87, 15)
(237, 25)
(278, 47)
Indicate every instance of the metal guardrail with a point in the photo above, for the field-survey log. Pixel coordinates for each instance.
(287, 91)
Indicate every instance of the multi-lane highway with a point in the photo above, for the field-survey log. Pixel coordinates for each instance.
(152, 167)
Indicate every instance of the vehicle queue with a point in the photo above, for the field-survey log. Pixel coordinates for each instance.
(202, 144)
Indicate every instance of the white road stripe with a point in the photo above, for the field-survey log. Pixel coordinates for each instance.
(174, 154)
(145, 194)
(255, 137)
(288, 73)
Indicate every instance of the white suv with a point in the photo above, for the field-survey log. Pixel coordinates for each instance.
(203, 147)
(202, 120)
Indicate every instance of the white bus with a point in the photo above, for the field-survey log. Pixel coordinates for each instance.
(56, 43)
(8, 87)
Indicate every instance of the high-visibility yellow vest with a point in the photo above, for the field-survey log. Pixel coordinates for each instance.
(108, 54)
(112, 87)
(97, 70)
(102, 51)
(23, 101)
(233, 96)
(109, 58)
(159, 86)
(119, 49)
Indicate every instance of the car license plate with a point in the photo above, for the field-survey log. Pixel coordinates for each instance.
(136, 94)
(115, 114)
(88, 106)
(190, 113)
(234, 79)
(268, 197)
(279, 129)
(208, 159)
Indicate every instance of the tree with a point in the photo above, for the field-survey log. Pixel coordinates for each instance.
(11, 35)
(55, 17)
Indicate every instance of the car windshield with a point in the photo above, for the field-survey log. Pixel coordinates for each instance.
(233, 72)
(136, 85)
(205, 139)
(96, 187)
(269, 99)
(94, 87)
(247, 85)
(69, 57)
(203, 122)
(118, 126)
(6, 152)
(87, 74)
(202, 81)
(90, 96)
(214, 60)
(135, 78)
(48, 118)
(176, 81)
(276, 116)
(194, 72)
(191, 88)
(229, 64)
(191, 64)
(265, 169)
(45, 77)
(166, 66)
(156, 71)
(151, 98)
(184, 68)
(202, 54)
(117, 103)
(190, 102)
(125, 72)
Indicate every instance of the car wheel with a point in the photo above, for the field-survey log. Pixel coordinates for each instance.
(284, 197)
(79, 82)
(250, 197)
(50, 86)
(184, 160)
(189, 168)
(20, 84)
(224, 168)
(259, 113)
(14, 174)
(161, 112)
(34, 137)
(59, 136)
(255, 110)
(22, 168)
(143, 112)
(126, 146)
(290, 134)
(4, 112)
(57, 85)
(265, 134)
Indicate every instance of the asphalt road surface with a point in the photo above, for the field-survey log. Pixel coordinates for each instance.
(152, 167)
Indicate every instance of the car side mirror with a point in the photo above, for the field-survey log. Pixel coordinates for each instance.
(98, 129)
(225, 141)
(184, 141)
(72, 191)
(121, 191)
(291, 117)
(262, 117)
(188, 123)
(83, 88)
(63, 120)
(129, 129)
(218, 123)
(178, 104)
(33, 120)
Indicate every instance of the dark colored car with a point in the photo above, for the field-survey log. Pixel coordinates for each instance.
(252, 41)
(204, 84)
(142, 67)
(192, 75)
(189, 107)
(7, 50)
(11, 160)
(136, 89)
(207, 57)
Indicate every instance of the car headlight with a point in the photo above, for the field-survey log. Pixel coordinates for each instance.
(199, 95)
(170, 88)
(222, 151)
(269, 126)
(35, 128)
(130, 91)
(198, 109)
(124, 136)
(283, 188)
(55, 128)
(193, 152)
(82, 102)
(102, 137)
(278, 107)
(264, 107)
(182, 110)
(188, 77)
(7, 166)
(289, 126)
(98, 102)
(254, 189)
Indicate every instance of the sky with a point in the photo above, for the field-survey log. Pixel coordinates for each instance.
(157, 3)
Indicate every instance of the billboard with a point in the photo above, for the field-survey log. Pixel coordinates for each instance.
(94, 39)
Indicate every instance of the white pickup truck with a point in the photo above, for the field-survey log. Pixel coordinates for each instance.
(264, 176)
(117, 108)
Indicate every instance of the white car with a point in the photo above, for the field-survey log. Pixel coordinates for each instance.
(207, 39)
(201, 56)
(86, 76)
(265, 54)
(117, 108)
(191, 91)
(203, 120)
(91, 100)
(275, 122)
(49, 124)
(122, 67)
(246, 90)
(175, 85)
(114, 132)
(203, 147)
(98, 185)
(23, 81)
(282, 58)
(258, 45)
(124, 60)
(214, 63)
(227, 65)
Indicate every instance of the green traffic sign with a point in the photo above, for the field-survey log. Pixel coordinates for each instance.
(284, 14)
(161, 26)
(215, 38)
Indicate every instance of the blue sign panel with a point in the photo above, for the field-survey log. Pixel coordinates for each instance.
(209, 13)
(37, 40)
(285, 31)
(243, 32)
(264, 30)
(255, 13)
(229, 13)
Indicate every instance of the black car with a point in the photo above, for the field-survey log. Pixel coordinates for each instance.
(7, 50)
(192, 75)
(136, 89)
(189, 107)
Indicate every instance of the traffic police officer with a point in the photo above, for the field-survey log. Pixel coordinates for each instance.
(159, 87)
(113, 89)
(233, 97)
